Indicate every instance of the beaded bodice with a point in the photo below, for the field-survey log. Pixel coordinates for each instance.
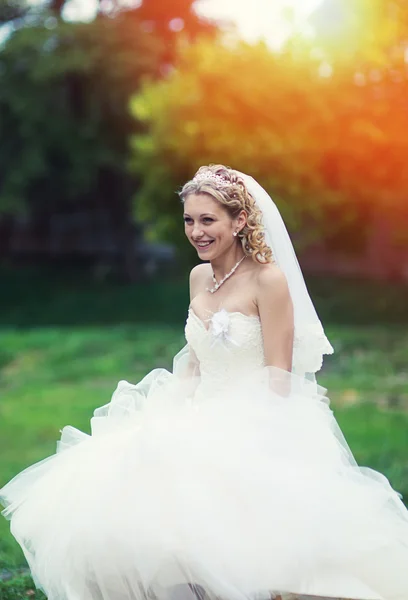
(227, 344)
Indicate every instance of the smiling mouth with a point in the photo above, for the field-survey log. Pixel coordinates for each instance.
(203, 245)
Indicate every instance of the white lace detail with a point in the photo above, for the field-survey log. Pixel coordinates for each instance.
(226, 345)
(309, 346)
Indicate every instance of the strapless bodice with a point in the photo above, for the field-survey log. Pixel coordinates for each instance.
(227, 345)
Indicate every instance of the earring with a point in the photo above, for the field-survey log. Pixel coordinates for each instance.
(235, 234)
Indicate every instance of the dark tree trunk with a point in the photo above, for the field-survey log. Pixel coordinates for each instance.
(57, 6)
(115, 191)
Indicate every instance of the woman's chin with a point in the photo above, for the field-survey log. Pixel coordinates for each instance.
(204, 256)
(205, 253)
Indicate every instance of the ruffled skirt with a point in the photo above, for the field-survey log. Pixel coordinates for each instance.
(241, 493)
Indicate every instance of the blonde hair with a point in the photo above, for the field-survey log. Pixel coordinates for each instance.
(227, 187)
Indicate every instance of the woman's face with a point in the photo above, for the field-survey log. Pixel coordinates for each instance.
(208, 226)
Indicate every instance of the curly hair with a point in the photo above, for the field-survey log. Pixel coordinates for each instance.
(227, 187)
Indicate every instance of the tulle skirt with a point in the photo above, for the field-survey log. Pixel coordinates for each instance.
(236, 493)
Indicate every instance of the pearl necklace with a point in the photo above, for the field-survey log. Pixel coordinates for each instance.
(224, 279)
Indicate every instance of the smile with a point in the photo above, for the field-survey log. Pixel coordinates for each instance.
(204, 244)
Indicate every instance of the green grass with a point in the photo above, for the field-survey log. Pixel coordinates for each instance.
(19, 587)
(51, 377)
(367, 382)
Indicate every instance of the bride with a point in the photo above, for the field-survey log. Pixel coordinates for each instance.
(229, 477)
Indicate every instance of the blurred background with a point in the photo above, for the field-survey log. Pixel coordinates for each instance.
(106, 108)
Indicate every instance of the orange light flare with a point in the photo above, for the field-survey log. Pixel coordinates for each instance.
(360, 30)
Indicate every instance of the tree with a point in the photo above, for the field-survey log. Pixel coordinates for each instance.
(64, 94)
(64, 100)
(168, 21)
(365, 42)
(65, 122)
(331, 150)
(242, 106)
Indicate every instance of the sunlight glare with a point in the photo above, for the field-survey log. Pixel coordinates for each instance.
(271, 20)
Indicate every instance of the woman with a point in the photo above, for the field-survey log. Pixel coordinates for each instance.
(230, 477)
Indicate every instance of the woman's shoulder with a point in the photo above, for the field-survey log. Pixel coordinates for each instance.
(271, 279)
(199, 276)
(203, 270)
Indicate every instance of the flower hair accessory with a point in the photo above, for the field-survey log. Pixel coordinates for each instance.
(205, 175)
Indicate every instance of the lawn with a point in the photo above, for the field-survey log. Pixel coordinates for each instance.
(51, 376)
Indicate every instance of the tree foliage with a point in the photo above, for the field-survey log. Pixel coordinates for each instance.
(65, 123)
(63, 100)
(322, 129)
(330, 149)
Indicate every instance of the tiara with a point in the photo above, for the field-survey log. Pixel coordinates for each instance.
(205, 175)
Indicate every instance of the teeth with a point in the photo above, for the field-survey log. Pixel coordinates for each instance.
(204, 244)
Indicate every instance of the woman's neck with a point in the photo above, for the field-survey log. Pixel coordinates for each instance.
(223, 264)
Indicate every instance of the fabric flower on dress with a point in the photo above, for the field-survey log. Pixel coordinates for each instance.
(220, 322)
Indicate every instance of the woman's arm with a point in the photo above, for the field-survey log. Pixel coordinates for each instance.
(198, 276)
(276, 314)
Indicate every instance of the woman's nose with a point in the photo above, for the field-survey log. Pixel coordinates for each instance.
(197, 231)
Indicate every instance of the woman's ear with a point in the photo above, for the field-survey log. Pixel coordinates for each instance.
(242, 219)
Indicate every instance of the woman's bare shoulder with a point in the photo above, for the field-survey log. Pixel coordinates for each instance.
(199, 276)
(271, 280)
(200, 271)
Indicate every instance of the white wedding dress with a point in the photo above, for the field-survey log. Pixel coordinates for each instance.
(230, 479)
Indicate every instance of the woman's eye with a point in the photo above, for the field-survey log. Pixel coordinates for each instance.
(208, 220)
(188, 220)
